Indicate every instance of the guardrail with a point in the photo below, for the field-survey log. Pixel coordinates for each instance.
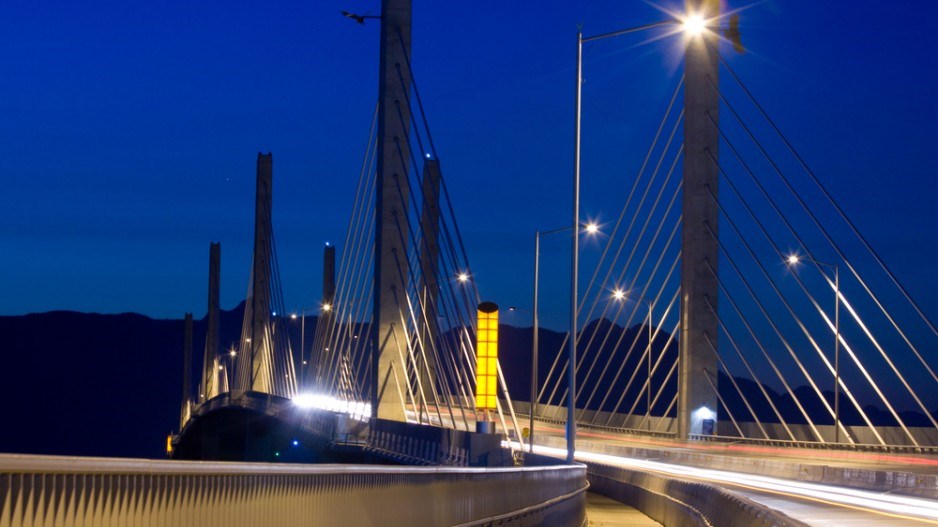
(46, 490)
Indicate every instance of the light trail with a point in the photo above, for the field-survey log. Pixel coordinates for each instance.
(904, 507)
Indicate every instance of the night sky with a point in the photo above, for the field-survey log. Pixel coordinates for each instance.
(129, 131)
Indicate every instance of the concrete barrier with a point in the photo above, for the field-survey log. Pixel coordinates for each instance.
(678, 503)
(102, 492)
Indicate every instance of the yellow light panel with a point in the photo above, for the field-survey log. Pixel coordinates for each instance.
(487, 357)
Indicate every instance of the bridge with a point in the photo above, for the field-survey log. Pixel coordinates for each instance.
(740, 354)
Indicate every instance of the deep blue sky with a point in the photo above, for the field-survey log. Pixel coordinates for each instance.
(129, 131)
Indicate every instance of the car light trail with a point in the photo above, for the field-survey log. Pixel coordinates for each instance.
(905, 507)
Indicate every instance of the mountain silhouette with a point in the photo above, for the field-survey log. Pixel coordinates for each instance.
(111, 385)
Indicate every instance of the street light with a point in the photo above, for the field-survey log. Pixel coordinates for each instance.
(326, 307)
(692, 24)
(589, 228)
(462, 277)
(621, 295)
(792, 260)
(571, 352)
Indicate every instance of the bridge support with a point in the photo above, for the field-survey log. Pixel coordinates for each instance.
(328, 275)
(391, 245)
(211, 385)
(429, 263)
(700, 251)
(186, 372)
(326, 319)
(257, 375)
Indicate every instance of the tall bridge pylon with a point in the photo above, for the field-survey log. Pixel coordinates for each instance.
(393, 192)
(265, 360)
(700, 250)
(213, 377)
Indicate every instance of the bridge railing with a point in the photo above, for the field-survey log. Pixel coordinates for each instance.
(44, 490)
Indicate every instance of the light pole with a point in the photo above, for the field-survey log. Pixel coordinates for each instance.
(619, 294)
(691, 24)
(793, 260)
(589, 228)
(326, 308)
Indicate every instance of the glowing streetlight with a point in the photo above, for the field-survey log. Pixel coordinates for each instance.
(792, 260)
(327, 307)
(462, 277)
(620, 295)
(694, 25)
(589, 228)
(292, 316)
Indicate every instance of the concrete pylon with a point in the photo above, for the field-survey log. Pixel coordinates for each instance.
(328, 275)
(388, 337)
(700, 250)
(325, 323)
(186, 372)
(261, 347)
(210, 386)
(429, 264)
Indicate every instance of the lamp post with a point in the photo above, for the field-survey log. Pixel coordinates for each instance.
(691, 24)
(619, 294)
(793, 260)
(326, 308)
(589, 228)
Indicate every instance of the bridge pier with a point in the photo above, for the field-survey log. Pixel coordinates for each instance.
(393, 191)
(211, 379)
(700, 250)
(429, 262)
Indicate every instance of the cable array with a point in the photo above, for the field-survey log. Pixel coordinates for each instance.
(434, 367)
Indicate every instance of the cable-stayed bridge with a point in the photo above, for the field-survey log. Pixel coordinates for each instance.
(737, 319)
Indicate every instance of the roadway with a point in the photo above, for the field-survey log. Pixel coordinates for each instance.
(812, 503)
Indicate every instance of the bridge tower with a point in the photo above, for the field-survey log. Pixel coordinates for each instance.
(429, 260)
(186, 372)
(328, 275)
(700, 250)
(259, 365)
(211, 386)
(327, 317)
(391, 244)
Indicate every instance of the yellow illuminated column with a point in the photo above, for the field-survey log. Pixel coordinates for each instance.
(486, 359)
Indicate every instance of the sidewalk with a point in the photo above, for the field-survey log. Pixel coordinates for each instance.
(606, 512)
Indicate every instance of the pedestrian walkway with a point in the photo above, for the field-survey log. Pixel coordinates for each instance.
(606, 512)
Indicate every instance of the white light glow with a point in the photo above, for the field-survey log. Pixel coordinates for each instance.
(618, 294)
(793, 259)
(462, 277)
(592, 228)
(704, 413)
(694, 25)
(356, 409)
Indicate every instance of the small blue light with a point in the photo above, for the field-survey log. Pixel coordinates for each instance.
(275, 313)
(296, 443)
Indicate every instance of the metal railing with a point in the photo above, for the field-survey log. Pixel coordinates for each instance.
(45, 490)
